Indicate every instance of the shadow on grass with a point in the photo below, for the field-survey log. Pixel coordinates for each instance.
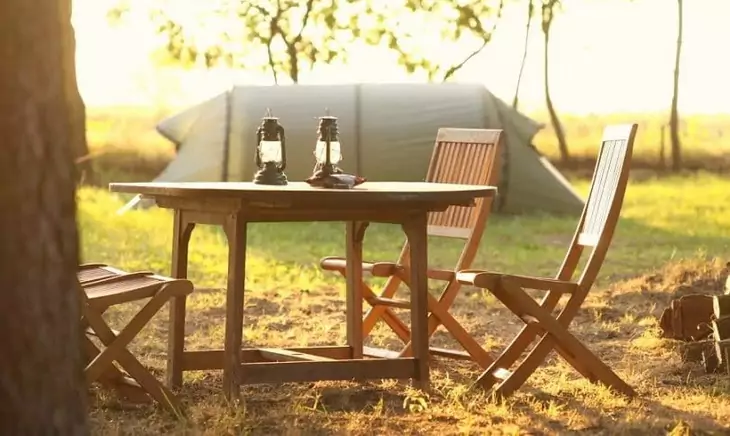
(331, 408)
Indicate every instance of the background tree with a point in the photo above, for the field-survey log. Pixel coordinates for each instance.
(525, 49)
(288, 36)
(549, 8)
(455, 21)
(674, 111)
(42, 390)
(282, 36)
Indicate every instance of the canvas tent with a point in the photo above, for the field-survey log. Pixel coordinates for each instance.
(387, 132)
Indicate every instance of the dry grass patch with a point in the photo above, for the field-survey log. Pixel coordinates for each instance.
(290, 302)
(619, 323)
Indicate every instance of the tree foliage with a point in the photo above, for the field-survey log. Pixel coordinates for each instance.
(289, 36)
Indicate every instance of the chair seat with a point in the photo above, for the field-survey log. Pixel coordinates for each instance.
(107, 286)
(109, 361)
(123, 291)
(94, 272)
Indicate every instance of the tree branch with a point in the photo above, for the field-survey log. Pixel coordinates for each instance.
(272, 64)
(486, 37)
(530, 12)
(273, 30)
(451, 71)
(307, 13)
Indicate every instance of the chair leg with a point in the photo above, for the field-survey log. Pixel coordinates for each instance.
(479, 354)
(374, 314)
(113, 378)
(119, 342)
(115, 351)
(557, 337)
(149, 383)
(517, 346)
(137, 371)
(176, 341)
(388, 316)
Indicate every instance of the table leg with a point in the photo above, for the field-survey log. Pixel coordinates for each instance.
(182, 230)
(235, 228)
(415, 230)
(355, 234)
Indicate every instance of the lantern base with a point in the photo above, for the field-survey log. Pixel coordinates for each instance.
(270, 175)
(323, 170)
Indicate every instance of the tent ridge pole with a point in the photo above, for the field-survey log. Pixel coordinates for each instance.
(358, 129)
(227, 137)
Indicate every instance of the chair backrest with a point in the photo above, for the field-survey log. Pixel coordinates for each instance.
(464, 156)
(601, 212)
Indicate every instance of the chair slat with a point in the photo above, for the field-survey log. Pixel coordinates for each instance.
(606, 179)
(462, 156)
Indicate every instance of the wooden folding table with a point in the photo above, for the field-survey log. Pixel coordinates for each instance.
(234, 205)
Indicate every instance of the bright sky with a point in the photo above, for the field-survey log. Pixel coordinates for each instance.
(606, 55)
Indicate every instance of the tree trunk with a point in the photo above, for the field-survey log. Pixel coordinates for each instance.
(674, 113)
(530, 10)
(293, 62)
(76, 107)
(547, 20)
(42, 389)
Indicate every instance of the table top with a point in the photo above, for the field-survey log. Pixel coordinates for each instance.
(300, 191)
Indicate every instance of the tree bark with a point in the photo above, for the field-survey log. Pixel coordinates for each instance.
(547, 21)
(530, 11)
(42, 389)
(674, 112)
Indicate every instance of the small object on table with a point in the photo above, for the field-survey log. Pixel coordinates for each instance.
(321, 179)
(270, 152)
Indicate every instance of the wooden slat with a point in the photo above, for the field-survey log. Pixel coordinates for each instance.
(454, 354)
(355, 370)
(390, 302)
(281, 354)
(449, 232)
(380, 353)
(461, 156)
(213, 359)
(606, 179)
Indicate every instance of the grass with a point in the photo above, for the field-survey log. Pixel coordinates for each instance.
(705, 139)
(673, 237)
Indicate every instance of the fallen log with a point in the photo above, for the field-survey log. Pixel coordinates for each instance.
(687, 318)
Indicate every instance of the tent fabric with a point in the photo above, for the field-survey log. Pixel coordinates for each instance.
(387, 132)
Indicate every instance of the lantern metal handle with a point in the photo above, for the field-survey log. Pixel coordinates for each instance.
(282, 144)
(328, 140)
(257, 149)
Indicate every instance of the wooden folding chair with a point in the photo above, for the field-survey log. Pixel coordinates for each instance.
(464, 156)
(594, 232)
(102, 287)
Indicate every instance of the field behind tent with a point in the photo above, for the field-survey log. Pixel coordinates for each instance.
(674, 238)
(124, 145)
